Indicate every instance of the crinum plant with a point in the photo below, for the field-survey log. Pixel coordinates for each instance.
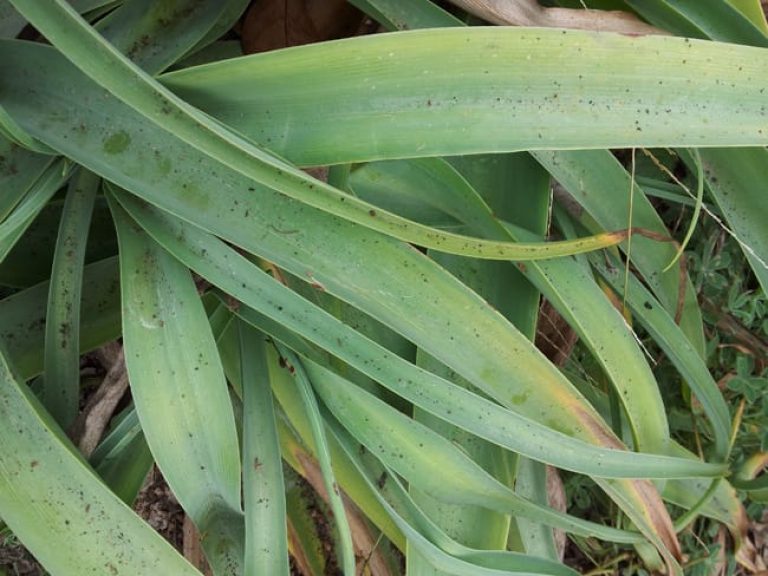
(372, 329)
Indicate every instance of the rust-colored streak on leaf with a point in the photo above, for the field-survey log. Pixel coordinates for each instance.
(658, 515)
(193, 549)
(596, 429)
(272, 24)
(297, 551)
(643, 492)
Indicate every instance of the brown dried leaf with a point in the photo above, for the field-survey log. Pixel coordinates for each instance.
(193, 549)
(273, 24)
(530, 13)
(89, 426)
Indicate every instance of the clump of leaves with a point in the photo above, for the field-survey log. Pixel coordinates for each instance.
(372, 329)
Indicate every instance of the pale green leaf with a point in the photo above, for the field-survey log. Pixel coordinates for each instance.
(179, 390)
(59, 508)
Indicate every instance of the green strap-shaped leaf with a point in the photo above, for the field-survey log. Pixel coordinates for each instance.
(11, 22)
(752, 9)
(266, 537)
(16, 134)
(403, 443)
(178, 386)
(716, 19)
(460, 91)
(311, 412)
(222, 265)
(267, 225)
(297, 445)
(22, 317)
(669, 337)
(602, 186)
(156, 34)
(306, 545)
(13, 227)
(574, 294)
(443, 554)
(59, 508)
(735, 179)
(122, 458)
(109, 68)
(31, 260)
(19, 169)
(518, 188)
(61, 381)
(397, 15)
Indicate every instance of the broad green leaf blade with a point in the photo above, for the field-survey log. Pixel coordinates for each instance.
(459, 91)
(13, 227)
(275, 239)
(601, 186)
(444, 554)
(178, 386)
(11, 22)
(669, 337)
(531, 482)
(156, 34)
(298, 449)
(516, 188)
(579, 300)
(736, 179)
(266, 537)
(278, 241)
(61, 380)
(19, 169)
(267, 226)
(17, 135)
(716, 19)
(752, 9)
(58, 507)
(109, 68)
(31, 260)
(401, 443)
(22, 317)
(219, 263)
(304, 542)
(397, 15)
(228, 17)
(505, 179)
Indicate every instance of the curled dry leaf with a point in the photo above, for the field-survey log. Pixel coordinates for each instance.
(530, 13)
(273, 24)
(90, 424)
